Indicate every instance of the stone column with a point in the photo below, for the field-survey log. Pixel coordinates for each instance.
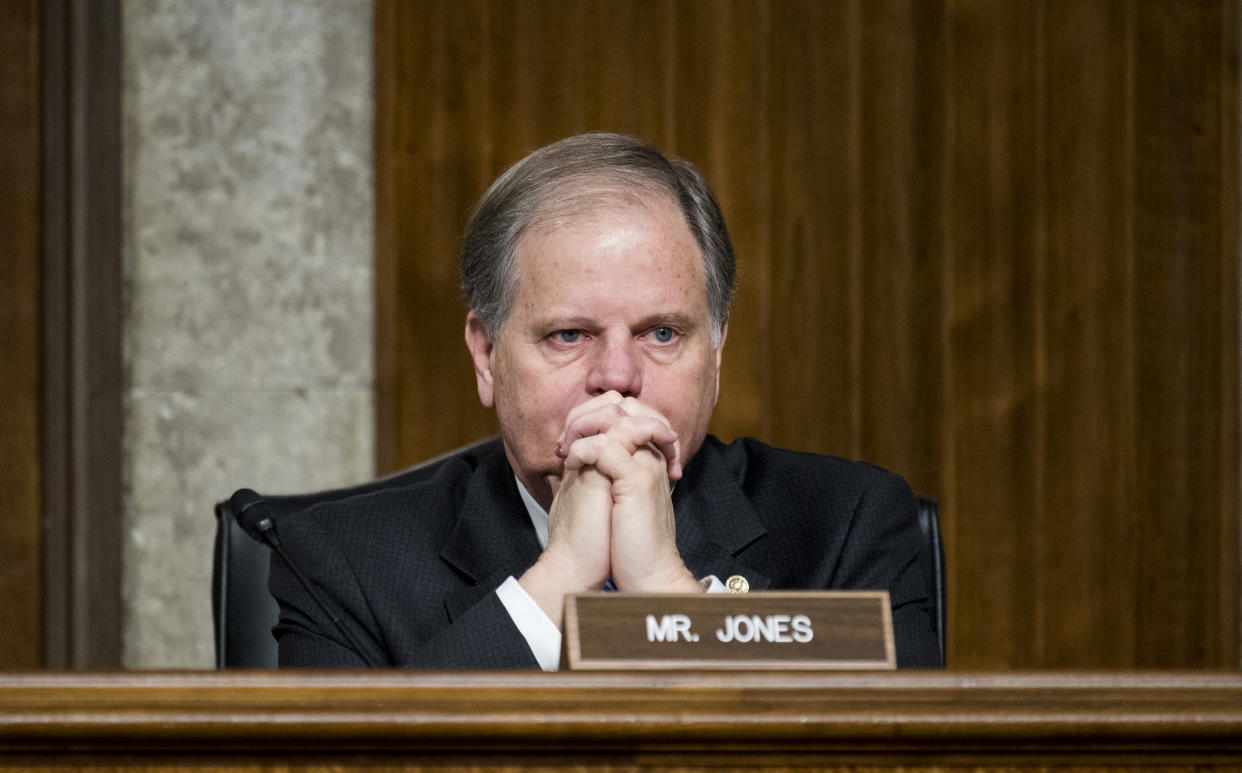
(248, 274)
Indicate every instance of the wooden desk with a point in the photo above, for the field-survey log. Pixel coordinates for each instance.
(292, 720)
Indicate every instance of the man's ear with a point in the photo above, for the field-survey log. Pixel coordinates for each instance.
(481, 346)
(724, 333)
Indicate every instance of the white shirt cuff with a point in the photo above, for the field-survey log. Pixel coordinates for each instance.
(712, 584)
(541, 634)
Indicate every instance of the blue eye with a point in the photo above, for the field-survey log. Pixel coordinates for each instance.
(663, 334)
(567, 336)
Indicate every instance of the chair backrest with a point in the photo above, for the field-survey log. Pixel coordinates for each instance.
(933, 565)
(243, 610)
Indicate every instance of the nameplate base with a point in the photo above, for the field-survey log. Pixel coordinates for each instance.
(805, 630)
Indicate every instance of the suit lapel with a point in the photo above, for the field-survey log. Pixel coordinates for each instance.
(492, 538)
(715, 521)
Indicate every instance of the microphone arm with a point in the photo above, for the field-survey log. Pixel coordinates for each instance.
(254, 515)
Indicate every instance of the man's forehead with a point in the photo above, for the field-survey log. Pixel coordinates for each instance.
(573, 272)
(622, 234)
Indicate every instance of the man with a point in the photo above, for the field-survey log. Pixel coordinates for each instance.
(599, 276)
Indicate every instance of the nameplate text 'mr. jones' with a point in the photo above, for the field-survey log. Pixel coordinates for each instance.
(776, 629)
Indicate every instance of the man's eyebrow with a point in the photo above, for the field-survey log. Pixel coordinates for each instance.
(671, 319)
(554, 321)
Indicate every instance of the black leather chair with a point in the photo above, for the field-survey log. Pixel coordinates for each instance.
(932, 561)
(244, 612)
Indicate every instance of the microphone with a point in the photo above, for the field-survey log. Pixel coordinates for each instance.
(254, 515)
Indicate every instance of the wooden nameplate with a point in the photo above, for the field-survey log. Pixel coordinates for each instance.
(760, 630)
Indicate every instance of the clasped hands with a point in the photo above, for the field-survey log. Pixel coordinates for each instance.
(612, 514)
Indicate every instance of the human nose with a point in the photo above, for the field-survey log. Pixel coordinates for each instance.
(617, 366)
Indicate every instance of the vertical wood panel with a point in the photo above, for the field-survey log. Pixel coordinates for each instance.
(1186, 333)
(21, 544)
(992, 335)
(60, 347)
(537, 74)
(1086, 378)
(904, 153)
(434, 96)
(815, 108)
(1227, 605)
(627, 73)
(991, 245)
(81, 327)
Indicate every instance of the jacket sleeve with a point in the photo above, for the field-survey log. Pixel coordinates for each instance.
(482, 637)
(884, 546)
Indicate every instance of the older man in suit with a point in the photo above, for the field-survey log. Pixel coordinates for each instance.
(599, 275)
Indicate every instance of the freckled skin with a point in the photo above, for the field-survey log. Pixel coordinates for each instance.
(614, 300)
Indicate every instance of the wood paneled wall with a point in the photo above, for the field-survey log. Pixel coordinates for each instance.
(21, 542)
(990, 244)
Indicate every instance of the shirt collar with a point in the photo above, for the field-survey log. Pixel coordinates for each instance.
(538, 516)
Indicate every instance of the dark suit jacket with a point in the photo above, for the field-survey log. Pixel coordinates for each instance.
(412, 570)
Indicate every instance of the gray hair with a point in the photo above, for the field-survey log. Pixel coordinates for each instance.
(541, 188)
